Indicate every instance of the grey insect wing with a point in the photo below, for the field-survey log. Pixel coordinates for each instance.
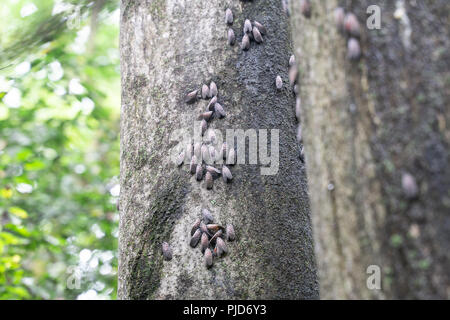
(195, 226)
(195, 238)
(167, 251)
(230, 232)
(191, 97)
(205, 91)
(207, 216)
(257, 35)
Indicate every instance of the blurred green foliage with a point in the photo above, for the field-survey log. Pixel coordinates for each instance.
(59, 149)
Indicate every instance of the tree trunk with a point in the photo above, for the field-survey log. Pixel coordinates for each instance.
(366, 126)
(169, 48)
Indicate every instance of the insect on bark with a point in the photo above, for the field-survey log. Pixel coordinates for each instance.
(195, 226)
(260, 27)
(278, 83)
(167, 251)
(213, 89)
(211, 104)
(209, 181)
(226, 174)
(228, 16)
(353, 49)
(245, 45)
(231, 236)
(205, 91)
(199, 172)
(351, 25)
(191, 97)
(305, 8)
(219, 109)
(195, 238)
(208, 258)
(257, 35)
(207, 216)
(204, 242)
(231, 37)
(247, 26)
(193, 165)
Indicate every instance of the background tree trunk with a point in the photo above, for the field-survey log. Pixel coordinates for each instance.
(366, 124)
(169, 48)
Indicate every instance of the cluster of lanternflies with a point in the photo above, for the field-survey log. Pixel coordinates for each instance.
(211, 237)
(198, 152)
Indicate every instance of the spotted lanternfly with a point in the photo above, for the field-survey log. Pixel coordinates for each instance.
(189, 150)
(211, 103)
(279, 82)
(193, 166)
(293, 73)
(215, 236)
(199, 172)
(409, 185)
(205, 91)
(247, 26)
(213, 170)
(257, 35)
(212, 154)
(291, 61)
(197, 150)
(231, 160)
(228, 16)
(180, 159)
(195, 226)
(204, 126)
(207, 216)
(208, 258)
(296, 89)
(205, 154)
(203, 228)
(353, 49)
(212, 136)
(299, 134)
(230, 232)
(226, 174)
(339, 16)
(206, 115)
(298, 110)
(260, 27)
(195, 238)
(231, 37)
(213, 89)
(209, 181)
(214, 227)
(351, 25)
(219, 109)
(245, 45)
(204, 242)
(191, 97)
(221, 245)
(305, 8)
(167, 251)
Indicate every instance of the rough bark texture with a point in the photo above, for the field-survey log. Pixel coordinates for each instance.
(169, 48)
(365, 124)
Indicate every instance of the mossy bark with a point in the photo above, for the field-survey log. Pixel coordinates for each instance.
(365, 124)
(169, 48)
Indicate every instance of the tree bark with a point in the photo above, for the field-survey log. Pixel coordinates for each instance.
(366, 124)
(169, 48)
